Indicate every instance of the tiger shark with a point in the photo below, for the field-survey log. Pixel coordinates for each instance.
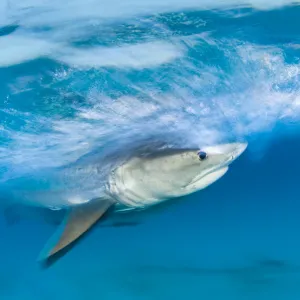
(145, 179)
(129, 179)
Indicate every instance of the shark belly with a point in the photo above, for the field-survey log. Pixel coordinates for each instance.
(133, 186)
(137, 191)
(130, 193)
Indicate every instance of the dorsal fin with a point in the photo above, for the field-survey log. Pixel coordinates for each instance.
(78, 220)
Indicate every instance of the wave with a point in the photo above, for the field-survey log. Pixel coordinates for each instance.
(73, 87)
(33, 12)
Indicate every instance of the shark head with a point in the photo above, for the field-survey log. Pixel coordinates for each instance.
(168, 173)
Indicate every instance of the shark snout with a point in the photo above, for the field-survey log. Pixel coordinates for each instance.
(235, 149)
(229, 152)
(240, 148)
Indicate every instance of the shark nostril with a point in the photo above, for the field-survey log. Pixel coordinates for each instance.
(202, 155)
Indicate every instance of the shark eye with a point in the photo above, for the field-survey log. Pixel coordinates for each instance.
(202, 155)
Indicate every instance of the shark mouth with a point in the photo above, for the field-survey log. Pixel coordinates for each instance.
(201, 182)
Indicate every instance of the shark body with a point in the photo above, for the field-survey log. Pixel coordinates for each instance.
(131, 179)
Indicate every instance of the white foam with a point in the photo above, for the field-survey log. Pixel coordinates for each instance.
(67, 20)
(34, 12)
(137, 56)
(254, 108)
(16, 49)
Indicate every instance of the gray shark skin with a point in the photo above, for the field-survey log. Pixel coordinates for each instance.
(132, 178)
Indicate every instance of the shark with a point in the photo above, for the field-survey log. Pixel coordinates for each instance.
(131, 179)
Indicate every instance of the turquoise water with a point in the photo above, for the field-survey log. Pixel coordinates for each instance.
(82, 77)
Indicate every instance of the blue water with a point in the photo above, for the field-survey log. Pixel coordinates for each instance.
(82, 76)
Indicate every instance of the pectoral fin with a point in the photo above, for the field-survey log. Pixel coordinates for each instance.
(78, 220)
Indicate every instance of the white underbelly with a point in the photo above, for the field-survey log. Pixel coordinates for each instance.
(132, 194)
(141, 191)
(136, 192)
